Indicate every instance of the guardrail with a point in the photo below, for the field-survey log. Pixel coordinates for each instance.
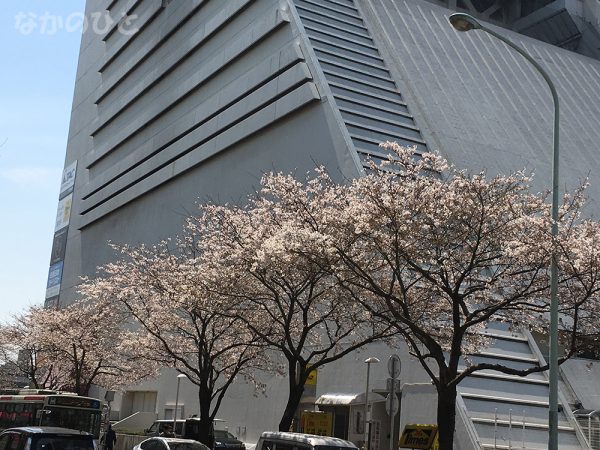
(589, 423)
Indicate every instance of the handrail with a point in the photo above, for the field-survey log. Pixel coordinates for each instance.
(468, 423)
(562, 400)
(590, 429)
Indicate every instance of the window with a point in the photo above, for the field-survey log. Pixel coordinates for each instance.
(153, 444)
(23, 415)
(72, 418)
(4, 441)
(17, 442)
(224, 434)
(159, 445)
(179, 428)
(170, 409)
(187, 446)
(331, 447)
(285, 445)
(63, 443)
(147, 445)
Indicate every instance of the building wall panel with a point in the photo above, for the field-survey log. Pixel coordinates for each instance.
(230, 78)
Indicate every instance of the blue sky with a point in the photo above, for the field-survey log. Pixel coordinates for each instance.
(36, 90)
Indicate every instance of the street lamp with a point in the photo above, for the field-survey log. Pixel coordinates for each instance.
(367, 430)
(465, 22)
(179, 378)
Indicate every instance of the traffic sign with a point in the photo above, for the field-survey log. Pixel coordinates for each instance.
(396, 385)
(394, 366)
(391, 404)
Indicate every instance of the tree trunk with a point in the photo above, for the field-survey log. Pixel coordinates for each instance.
(205, 425)
(446, 416)
(295, 394)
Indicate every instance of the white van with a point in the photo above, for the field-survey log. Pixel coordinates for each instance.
(271, 440)
(158, 426)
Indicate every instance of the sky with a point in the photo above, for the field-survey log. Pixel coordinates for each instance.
(39, 47)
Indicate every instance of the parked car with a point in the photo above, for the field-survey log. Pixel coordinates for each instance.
(162, 443)
(189, 429)
(271, 440)
(158, 426)
(224, 440)
(46, 438)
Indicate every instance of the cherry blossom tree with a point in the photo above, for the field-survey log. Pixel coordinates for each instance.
(417, 246)
(85, 342)
(292, 303)
(580, 286)
(179, 322)
(437, 253)
(71, 348)
(316, 270)
(24, 357)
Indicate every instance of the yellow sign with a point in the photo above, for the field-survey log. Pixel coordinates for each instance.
(418, 436)
(317, 422)
(312, 378)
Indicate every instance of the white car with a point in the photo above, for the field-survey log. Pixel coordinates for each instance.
(166, 443)
(270, 440)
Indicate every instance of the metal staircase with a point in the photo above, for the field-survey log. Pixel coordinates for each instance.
(510, 412)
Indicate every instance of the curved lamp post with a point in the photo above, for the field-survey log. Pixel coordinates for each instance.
(465, 22)
(179, 378)
(368, 362)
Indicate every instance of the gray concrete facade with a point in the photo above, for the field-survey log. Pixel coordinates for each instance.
(209, 95)
(205, 98)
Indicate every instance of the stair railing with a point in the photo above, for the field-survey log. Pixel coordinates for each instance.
(589, 422)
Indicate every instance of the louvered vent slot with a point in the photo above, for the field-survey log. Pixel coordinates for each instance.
(368, 98)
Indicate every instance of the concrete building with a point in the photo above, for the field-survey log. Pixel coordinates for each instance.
(180, 101)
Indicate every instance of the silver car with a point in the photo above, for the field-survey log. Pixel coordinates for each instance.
(166, 443)
(47, 438)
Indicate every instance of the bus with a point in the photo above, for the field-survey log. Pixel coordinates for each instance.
(34, 407)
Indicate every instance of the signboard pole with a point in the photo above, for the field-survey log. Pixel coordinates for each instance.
(392, 394)
(367, 429)
(392, 417)
(394, 371)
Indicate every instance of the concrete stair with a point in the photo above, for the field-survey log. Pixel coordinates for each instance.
(511, 412)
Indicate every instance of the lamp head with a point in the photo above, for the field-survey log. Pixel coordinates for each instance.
(372, 359)
(464, 22)
(181, 375)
